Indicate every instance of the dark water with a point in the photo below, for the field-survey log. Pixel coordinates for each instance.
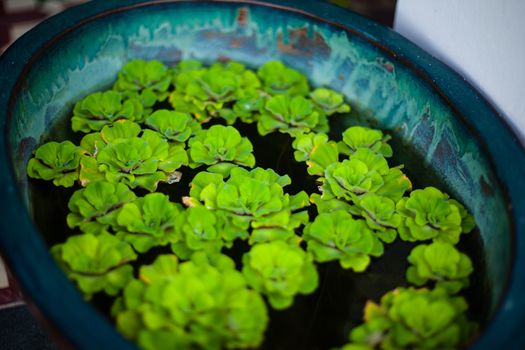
(323, 319)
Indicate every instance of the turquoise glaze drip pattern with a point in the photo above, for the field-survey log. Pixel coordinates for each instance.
(377, 85)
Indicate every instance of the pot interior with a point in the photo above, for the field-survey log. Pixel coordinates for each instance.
(429, 136)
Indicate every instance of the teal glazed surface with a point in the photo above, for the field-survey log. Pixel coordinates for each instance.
(450, 130)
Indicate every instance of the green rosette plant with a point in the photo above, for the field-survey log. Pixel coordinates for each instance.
(430, 214)
(278, 79)
(252, 199)
(381, 216)
(214, 88)
(329, 101)
(94, 209)
(174, 126)
(222, 90)
(221, 148)
(147, 98)
(187, 72)
(148, 222)
(350, 179)
(117, 154)
(102, 108)
(364, 172)
(96, 263)
(338, 236)
(440, 262)
(139, 76)
(333, 204)
(316, 150)
(414, 319)
(56, 161)
(204, 230)
(91, 145)
(280, 271)
(289, 114)
(356, 137)
(200, 304)
(395, 184)
(247, 106)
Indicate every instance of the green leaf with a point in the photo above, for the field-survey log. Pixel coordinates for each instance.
(337, 235)
(174, 126)
(91, 144)
(350, 179)
(214, 85)
(139, 161)
(95, 208)
(220, 145)
(316, 151)
(203, 303)
(248, 104)
(329, 101)
(139, 75)
(179, 104)
(148, 222)
(380, 215)
(202, 180)
(164, 267)
(201, 230)
(55, 161)
(467, 220)
(440, 262)
(414, 319)
(122, 129)
(103, 108)
(280, 271)
(429, 214)
(251, 198)
(332, 204)
(395, 184)
(356, 137)
(292, 115)
(278, 79)
(96, 263)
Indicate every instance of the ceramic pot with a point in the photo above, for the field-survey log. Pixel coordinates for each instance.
(443, 129)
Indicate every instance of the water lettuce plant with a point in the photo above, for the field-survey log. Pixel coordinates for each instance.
(221, 148)
(95, 208)
(103, 108)
(329, 101)
(429, 214)
(279, 271)
(203, 303)
(144, 77)
(277, 79)
(148, 222)
(357, 137)
(55, 161)
(338, 236)
(201, 229)
(316, 150)
(410, 318)
(197, 267)
(252, 199)
(174, 126)
(293, 115)
(440, 262)
(119, 154)
(96, 263)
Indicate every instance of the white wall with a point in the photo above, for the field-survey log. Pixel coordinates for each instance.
(484, 40)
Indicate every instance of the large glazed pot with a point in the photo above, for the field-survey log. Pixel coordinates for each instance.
(443, 128)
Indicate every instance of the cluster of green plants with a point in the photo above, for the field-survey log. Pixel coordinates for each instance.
(157, 123)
